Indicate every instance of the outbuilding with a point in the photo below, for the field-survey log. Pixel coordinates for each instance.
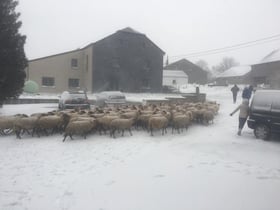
(235, 75)
(174, 78)
(267, 71)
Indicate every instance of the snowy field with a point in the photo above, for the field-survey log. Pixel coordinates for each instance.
(204, 168)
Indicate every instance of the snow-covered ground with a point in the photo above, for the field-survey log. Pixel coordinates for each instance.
(204, 168)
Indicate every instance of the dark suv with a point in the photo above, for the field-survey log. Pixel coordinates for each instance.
(264, 115)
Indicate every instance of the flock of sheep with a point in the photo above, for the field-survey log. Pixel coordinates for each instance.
(114, 120)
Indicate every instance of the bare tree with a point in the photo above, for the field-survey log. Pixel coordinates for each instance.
(226, 63)
(202, 64)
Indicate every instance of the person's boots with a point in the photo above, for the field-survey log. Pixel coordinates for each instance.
(239, 132)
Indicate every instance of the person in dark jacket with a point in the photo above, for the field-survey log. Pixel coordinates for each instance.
(234, 91)
(247, 92)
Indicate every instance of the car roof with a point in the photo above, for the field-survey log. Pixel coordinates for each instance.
(265, 97)
(268, 92)
(75, 92)
(112, 93)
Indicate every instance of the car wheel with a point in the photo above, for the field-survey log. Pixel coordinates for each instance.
(262, 131)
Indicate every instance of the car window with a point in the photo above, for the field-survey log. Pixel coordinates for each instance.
(116, 97)
(262, 102)
(276, 105)
(75, 96)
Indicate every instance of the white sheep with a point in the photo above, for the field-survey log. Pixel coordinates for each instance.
(180, 121)
(82, 127)
(208, 116)
(25, 124)
(53, 122)
(158, 122)
(122, 125)
(6, 124)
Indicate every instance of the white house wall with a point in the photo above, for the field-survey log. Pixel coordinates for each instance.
(87, 60)
(59, 67)
(179, 81)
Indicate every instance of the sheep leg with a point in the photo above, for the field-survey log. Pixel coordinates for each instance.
(26, 131)
(33, 130)
(53, 131)
(113, 133)
(46, 132)
(65, 135)
(152, 132)
(18, 134)
(38, 132)
(129, 130)
(122, 132)
(71, 136)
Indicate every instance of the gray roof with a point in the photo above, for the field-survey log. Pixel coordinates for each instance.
(174, 73)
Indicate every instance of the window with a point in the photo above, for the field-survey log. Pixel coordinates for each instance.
(74, 63)
(174, 82)
(73, 83)
(47, 81)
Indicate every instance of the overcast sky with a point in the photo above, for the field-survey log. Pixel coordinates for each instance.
(178, 27)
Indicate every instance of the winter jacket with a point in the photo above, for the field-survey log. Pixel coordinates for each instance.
(234, 89)
(247, 92)
(244, 109)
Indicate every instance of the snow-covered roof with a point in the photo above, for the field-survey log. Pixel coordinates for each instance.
(174, 73)
(271, 57)
(130, 30)
(235, 71)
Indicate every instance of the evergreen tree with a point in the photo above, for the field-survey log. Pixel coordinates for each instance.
(12, 55)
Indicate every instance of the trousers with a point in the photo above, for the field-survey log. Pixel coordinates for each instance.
(241, 122)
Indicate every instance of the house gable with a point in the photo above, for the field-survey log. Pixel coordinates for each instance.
(194, 72)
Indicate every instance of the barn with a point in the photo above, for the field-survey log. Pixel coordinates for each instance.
(235, 75)
(267, 72)
(195, 73)
(126, 60)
